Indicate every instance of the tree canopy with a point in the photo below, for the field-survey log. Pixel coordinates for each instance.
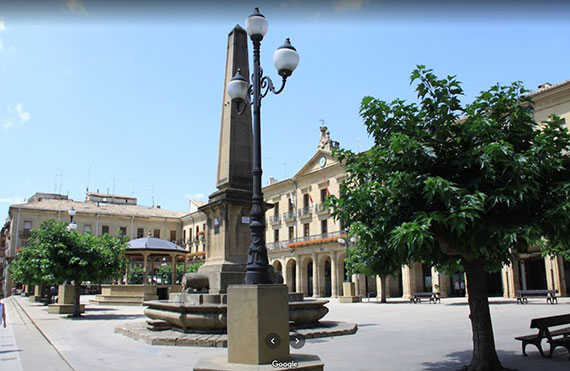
(56, 255)
(457, 185)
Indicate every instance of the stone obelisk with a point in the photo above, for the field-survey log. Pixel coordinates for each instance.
(227, 210)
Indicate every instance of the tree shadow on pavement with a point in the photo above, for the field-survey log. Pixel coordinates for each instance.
(509, 359)
(105, 317)
(100, 309)
(496, 302)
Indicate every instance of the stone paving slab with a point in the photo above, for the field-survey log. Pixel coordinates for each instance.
(139, 331)
(394, 336)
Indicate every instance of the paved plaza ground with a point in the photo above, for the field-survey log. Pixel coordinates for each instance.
(394, 336)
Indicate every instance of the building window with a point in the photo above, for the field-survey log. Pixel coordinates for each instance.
(27, 228)
(324, 226)
(122, 231)
(172, 236)
(276, 208)
(156, 233)
(190, 234)
(276, 235)
(87, 228)
(305, 200)
(291, 205)
(105, 229)
(204, 226)
(140, 232)
(183, 236)
(323, 195)
(197, 230)
(306, 230)
(291, 233)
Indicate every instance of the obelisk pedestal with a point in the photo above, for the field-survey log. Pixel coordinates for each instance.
(227, 211)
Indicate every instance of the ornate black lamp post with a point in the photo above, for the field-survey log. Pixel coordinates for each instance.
(72, 225)
(285, 59)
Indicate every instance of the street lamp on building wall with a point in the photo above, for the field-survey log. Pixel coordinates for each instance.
(72, 225)
(285, 59)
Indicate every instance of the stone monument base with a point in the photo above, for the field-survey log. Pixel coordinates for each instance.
(254, 313)
(298, 362)
(349, 293)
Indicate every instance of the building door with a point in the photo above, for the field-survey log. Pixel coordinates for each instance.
(426, 270)
(328, 288)
(494, 283)
(294, 277)
(566, 276)
(533, 274)
(310, 278)
(457, 282)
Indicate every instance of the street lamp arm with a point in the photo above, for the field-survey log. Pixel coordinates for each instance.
(267, 84)
(242, 104)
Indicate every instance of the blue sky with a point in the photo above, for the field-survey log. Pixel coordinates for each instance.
(127, 98)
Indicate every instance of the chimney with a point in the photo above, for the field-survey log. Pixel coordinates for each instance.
(272, 180)
(158, 206)
(546, 85)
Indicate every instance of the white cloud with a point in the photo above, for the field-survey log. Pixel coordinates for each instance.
(15, 115)
(195, 196)
(13, 200)
(2, 47)
(75, 6)
(7, 123)
(22, 115)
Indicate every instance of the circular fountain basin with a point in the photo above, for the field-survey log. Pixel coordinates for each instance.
(198, 316)
(307, 312)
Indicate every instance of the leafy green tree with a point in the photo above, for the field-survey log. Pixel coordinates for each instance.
(58, 255)
(193, 268)
(27, 268)
(364, 253)
(453, 185)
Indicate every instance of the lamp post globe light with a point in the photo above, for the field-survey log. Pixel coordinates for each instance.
(285, 59)
(72, 225)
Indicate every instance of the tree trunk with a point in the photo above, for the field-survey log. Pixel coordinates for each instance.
(484, 354)
(76, 295)
(383, 289)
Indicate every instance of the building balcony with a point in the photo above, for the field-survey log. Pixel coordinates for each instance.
(317, 239)
(305, 212)
(322, 208)
(289, 216)
(279, 245)
(275, 219)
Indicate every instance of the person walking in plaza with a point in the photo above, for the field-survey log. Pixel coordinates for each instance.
(456, 287)
(2, 312)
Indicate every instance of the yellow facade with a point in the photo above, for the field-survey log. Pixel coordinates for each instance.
(301, 236)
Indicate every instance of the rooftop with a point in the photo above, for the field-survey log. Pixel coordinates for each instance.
(99, 208)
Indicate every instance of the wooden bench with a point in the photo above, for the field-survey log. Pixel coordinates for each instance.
(417, 297)
(556, 338)
(550, 295)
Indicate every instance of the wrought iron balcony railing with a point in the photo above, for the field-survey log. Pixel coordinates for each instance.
(275, 219)
(289, 215)
(305, 212)
(322, 208)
